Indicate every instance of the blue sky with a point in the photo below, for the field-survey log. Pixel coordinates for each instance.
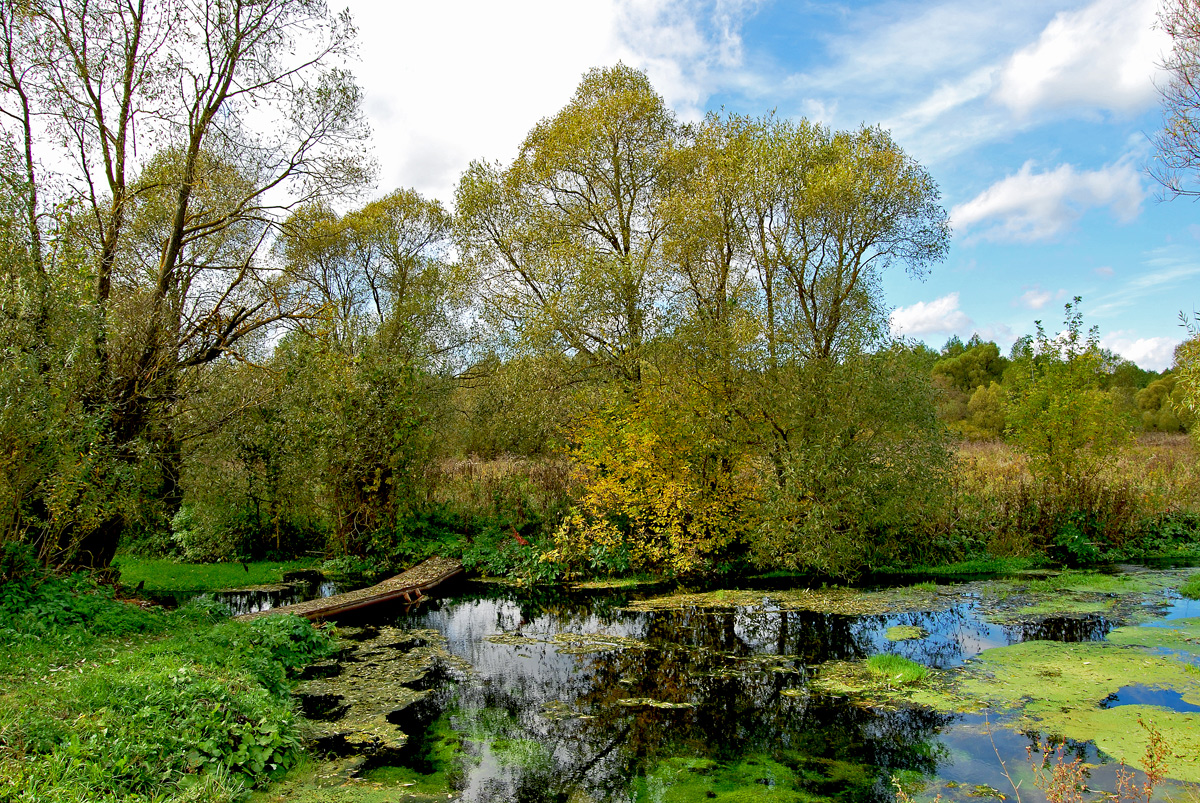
(1035, 119)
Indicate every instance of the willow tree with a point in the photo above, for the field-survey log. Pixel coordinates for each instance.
(213, 116)
(567, 239)
(371, 370)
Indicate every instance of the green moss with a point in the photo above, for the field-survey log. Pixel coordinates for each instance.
(167, 575)
(905, 633)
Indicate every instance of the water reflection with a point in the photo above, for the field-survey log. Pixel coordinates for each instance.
(253, 600)
(573, 697)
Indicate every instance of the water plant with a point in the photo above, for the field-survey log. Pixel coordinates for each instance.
(896, 669)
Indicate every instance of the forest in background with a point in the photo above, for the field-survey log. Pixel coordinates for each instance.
(640, 346)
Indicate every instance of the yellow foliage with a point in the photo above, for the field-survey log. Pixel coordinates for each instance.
(658, 496)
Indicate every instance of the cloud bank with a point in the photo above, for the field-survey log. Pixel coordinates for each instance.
(1028, 206)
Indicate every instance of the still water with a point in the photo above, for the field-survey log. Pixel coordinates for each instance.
(576, 697)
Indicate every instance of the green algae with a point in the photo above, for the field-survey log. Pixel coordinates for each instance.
(649, 702)
(615, 583)
(377, 678)
(753, 778)
(881, 681)
(1065, 605)
(334, 782)
(905, 633)
(1057, 689)
(850, 602)
(1181, 635)
(1084, 581)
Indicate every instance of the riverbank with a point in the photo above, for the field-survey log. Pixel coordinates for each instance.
(105, 699)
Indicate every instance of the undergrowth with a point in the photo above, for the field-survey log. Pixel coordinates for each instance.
(105, 700)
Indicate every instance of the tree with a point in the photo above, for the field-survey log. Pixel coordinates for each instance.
(828, 213)
(978, 364)
(381, 272)
(1178, 142)
(188, 128)
(1058, 413)
(567, 239)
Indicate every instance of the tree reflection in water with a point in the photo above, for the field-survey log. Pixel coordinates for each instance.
(545, 716)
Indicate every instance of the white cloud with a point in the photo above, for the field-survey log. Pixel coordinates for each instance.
(457, 80)
(1034, 297)
(687, 48)
(1104, 270)
(1153, 353)
(1028, 206)
(940, 315)
(1102, 56)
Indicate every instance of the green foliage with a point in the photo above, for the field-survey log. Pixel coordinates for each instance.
(966, 367)
(1191, 587)
(862, 469)
(1162, 406)
(1058, 414)
(1072, 544)
(984, 415)
(200, 709)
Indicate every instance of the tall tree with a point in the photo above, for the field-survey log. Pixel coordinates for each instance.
(567, 239)
(1178, 142)
(191, 127)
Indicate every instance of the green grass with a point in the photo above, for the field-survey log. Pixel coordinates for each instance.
(897, 670)
(103, 700)
(980, 565)
(1191, 587)
(167, 575)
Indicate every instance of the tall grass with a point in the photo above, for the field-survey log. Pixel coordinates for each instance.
(1144, 499)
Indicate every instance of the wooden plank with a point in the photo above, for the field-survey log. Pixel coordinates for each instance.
(409, 586)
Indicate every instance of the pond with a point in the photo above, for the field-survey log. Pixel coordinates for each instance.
(609, 695)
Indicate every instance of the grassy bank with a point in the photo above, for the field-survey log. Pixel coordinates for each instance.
(160, 574)
(106, 700)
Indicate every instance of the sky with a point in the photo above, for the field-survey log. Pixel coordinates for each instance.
(1035, 118)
